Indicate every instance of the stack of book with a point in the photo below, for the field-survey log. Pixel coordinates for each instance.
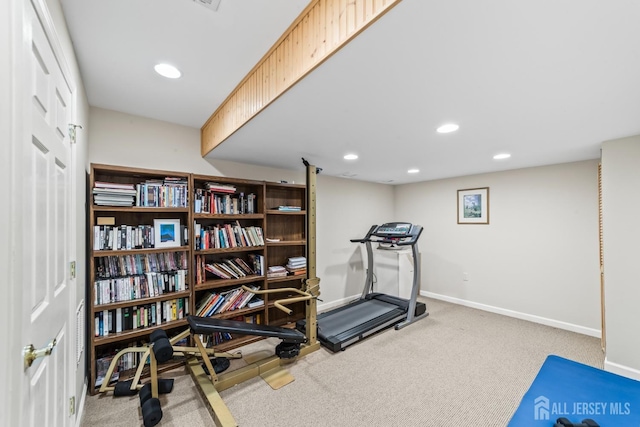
(277, 271)
(289, 208)
(113, 194)
(297, 266)
(220, 188)
(230, 268)
(215, 303)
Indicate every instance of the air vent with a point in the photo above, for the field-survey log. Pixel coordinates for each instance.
(349, 174)
(209, 4)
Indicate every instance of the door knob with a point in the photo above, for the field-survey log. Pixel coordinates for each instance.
(30, 353)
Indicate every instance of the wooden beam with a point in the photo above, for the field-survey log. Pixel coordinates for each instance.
(322, 29)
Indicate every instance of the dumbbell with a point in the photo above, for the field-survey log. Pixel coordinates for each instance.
(563, 422)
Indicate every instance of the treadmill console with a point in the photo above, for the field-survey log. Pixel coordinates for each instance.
(393, 229)
(393, 233)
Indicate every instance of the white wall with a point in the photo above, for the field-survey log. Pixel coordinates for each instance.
(538, 257)
(621, 237)
(345, 208)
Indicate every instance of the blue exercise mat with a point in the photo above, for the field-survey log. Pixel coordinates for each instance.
(564, 388)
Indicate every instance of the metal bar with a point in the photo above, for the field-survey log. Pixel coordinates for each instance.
(313, 282)
(217, 408)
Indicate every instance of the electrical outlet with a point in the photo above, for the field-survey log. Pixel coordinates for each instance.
(465, 277)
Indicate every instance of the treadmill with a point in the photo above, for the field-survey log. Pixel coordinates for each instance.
(373, 312)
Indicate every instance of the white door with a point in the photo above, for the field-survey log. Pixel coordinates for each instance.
(46, 238)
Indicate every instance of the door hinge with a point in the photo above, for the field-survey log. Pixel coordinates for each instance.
(72, 269)
(72, 405)
(72, 132)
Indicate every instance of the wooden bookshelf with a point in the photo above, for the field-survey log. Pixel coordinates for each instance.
(227, 208)
(128, 238)
(229, 219)
(289, 229)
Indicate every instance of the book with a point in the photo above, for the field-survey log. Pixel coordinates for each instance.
(255, 302)
(103, 184)
(106, 220)
(247, 296)
(218, 187)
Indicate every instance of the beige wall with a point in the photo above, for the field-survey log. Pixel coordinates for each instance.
(346, 208)
(621, 234)
(538, 257)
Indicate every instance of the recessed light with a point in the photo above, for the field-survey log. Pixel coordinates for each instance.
(413, 171)
(449, 127)
(350, 156)
(501, 156)
(168, 71)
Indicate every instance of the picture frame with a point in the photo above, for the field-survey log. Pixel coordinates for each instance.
(166, 233)
(473, 206)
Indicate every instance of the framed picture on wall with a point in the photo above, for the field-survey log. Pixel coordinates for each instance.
(473, 206)
(166, 233)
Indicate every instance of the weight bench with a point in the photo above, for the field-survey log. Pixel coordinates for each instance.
(210, 380)
(287, 349)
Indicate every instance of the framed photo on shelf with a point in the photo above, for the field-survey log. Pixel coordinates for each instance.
(473, 206)
(166, 233)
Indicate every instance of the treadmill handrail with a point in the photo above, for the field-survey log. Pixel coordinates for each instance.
(366, 238)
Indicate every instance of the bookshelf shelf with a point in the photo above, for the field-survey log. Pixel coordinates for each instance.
(240, 312)
(230, 217)
(288, 243)
(222, 283)
(136, 333)
(104, 253)
(287, 278)
(139, 209)
(229, 250)
(143, 301)
(277, 212)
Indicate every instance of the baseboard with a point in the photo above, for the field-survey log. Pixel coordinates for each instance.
(83, 398)
(518, 315)
(625, 371)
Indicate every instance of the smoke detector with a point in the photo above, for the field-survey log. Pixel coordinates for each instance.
(209, 4)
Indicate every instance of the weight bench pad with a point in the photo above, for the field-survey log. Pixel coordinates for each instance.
(208, 326)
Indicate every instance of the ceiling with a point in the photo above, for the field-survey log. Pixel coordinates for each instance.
(546, 81)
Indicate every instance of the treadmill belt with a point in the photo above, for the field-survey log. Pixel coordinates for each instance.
(357, 314)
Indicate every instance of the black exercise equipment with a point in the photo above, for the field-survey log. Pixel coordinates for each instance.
(374, 312)
(160, 349)
(220, 364)
(564, 422)
(151, 412)
(210, 325)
